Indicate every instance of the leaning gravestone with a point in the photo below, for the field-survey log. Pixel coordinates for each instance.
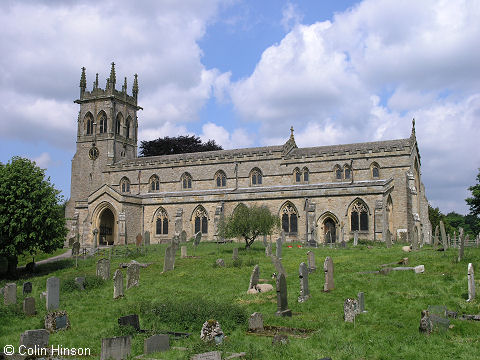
(282, 303)
(328, 269)
(118, 284)
(183, 252)
(303, 275)
(146, 239)
(268, 250)
(10, 294)
(169, 260)
(350, 310)
(27, 288)
(103, 269)
(212, 355)
(311, 261)
(183, 237)
(133, 275)
(254, 278)
(130, 320)
(35, 339)
(235, 254)
(444, 235)
(255, 322)
(471, 282)
(278, 266)
(117, 348)
(53, 293)
(278, 250)
(29, 306)
(156, 343)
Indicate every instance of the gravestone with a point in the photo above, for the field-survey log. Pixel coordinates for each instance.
(80, 281)
(175, 243)
(311, 261)
(220, 263)
(29, 306)
(198, 238)
(282, 237)
(138, 240)
(280, 339)
(32, 339)
(278, 249)
(57, 320)
(183, 252)
(461, 246)
(95, 237)
(212, 355)
(255, 322)
(268, 250)
(27, 288)
(350, 309)
(76, 248)
(130, 320)
(328, 269)
(471, 282)
(415, 240)
(156, 343)
(146, 239)
(454, 242)
(133, 275)
(103, 269)
(183, 236)
(10, 294)
(444, 235)
(278, 266)
(254, 278)
(361, 302)
(169, 260)
(355, 238)
(303, 276)
(388, 239)
(211, 331)
(435, 237)
(53, 293)
(117, 348)
(282, 303)
(118, 284)
(235, 254)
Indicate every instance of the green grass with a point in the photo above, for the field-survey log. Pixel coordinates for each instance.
(25, 259)
(197, 290)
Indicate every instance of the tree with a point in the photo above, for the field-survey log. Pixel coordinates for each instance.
(249, 222)
(31, 218)
(474, 201)
(434, 216)
(176, 145)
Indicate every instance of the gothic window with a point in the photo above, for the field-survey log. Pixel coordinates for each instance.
(201, 220)
(375, 171)
(154, 183)
(347, 172)
(301, 176)
(186, 180)
(289, 219)
(359, 216)
(125, 185)
(220, 179)
(305, 174)
(256, 177)
(161, 223)
(118, 124)
(103, 123)
(88, 124)
(338, 172)
(298, 175)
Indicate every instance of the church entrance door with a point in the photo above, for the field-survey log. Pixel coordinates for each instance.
(106, 227)
(329, 229)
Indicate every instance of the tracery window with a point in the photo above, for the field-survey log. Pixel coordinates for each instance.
(125, 185)
(289, 219)
(375, 171)
(118, 123)
(127, 128)
(201, 220)
(186, 180)
(359, 216)
(347, 172)
(338, 172)
(256, 177)
(154, 183)
(103, 123)
(220, 179)
(88, 124)
(301, 175)
(161, 223)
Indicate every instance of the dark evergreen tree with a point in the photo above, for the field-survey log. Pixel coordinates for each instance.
(176, 145)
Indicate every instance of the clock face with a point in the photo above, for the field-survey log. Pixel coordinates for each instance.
(93, 153)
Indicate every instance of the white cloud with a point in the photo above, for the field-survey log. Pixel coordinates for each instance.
(291, 16)
(43, 160)
(238, 139)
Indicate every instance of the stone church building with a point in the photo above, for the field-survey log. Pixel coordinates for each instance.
(321, 194)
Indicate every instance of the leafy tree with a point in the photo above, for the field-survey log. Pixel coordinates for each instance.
(176, 145)
(31, 218)
(474, 201)
(435, 216)
(249, 222)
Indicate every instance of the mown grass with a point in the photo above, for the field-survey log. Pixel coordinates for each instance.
(197, 290)
(25, 259)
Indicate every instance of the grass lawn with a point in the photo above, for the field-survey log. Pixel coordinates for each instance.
(197, 290)
(25, 259)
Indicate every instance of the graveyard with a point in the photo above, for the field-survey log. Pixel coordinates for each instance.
(172, 300)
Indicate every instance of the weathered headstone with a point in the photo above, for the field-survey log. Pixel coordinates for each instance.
(175, 243)
(27, 288)
(255, 322)
(435, 237)
(278, 250)
(156, 343)
(268, 250)
(454, 242)
(471, 282)
(311, 261)
(235, 254)
(118, 284)
(280, 339)
(80, 281)
(282, 237)
(57, 320)
(133, 275)
(282, 303)
(76, 248)
(212, 355)
(254, 278)
(10, 294)
(278, 266)
(350, 309)
(461, 245)
(444, 235)
(388, 239)
(130, 320)
(53, 293)
(198, 238)
(355, 238)
(29, 306)
(361, 302)
(138, 240)
(303, 276)
(220, 263)
(211, 331)
(146, 238)
(169, 260)
(415, 240)
(35, 339)
(328, 269)
(117, 348)
(183, 252)
(103, 269)
(183, 236)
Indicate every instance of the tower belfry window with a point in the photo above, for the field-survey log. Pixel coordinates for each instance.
(103, 123)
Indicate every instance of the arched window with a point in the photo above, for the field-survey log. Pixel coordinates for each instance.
(375, 170)
(186, 180)
(305, 174)
(161, 222)
(347, 172)
(118, 123)
(88, 124)
(338, 172)
(220, 179)
(289, 218)
(256, 177)
(127, 127)
(125, 185)
(359, 216)
(200, 220)
(102, 122)
(154, 183)
(297, 175)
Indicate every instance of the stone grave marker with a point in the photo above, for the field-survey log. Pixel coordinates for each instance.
(10, 294)
(118, 284)
(278, 266)
(282, 237)
(80, 281)
(444, 235)
(183, 252)
(212, 331)
(311, 261)
(303, 276)
(138, 240)
(355, 238)
(103, 269)
(169, 260)
(278, 249)
(361, 302)
(29, 306)
(235, 254)
(35, 338)
(27, 288)
(220, 263)
(388, 239)
(255, 322)
(254, 278)
(156, 343)
(146, 239)
(53, 293)
(268, 250)
(133, 275)
(76, 248)
(117, 348)
(350, 309)
(280, 339)
(328, 269)
(175, 243)
(454, 242)
(212, 355)
(461, 245)
(415, 240)
(57, 320)
(130, 320)
(435, 237)
(471, 282)
(198, 238)
(183, 236)
(282, 303)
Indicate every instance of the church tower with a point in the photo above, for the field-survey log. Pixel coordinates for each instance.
(107, 130)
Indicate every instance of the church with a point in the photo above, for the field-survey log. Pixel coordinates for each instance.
(322, 194)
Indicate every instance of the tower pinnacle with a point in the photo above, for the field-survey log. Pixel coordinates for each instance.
(83, 82)
(135, 86)
(113, 78)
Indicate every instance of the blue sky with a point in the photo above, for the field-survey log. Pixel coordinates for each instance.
(242, 72)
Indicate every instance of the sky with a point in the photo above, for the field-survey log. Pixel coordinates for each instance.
(242, 72)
